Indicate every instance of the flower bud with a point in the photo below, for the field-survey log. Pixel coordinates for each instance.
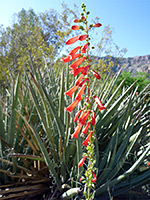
(82, 161)
(97, 25)
(94, 177)
(96, 74)
(76, 20)
(82, 18)
(75, 27)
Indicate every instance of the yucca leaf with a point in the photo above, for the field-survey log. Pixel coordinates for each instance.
(120, 178)
(13, 112)
(110, 111)
(42, 115)
(61, 98)
(31, 157)
(137, 181)
(45, 154)
(2, 132)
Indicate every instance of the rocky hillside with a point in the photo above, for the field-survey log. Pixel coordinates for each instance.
(134, 64)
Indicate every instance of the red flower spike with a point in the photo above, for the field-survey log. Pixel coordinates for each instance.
(99, 103)
(72, 90)
(93, 119)
(77, 62)
(97, 25)
(85, 143)
(81, 91)
(84, 48)
(72, 106)
(96, 74)
(76, 20)
(78, 81)
(82, 37)
(80, 85)
(85, 69)
(77, 115)
(86, 128)
(72, 40)
(94, 178)
(82, 161)
(77, 131)
(84, 118)
(75, 50)
(75, 27)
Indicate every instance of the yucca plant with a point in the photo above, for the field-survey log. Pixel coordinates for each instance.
(123, 132)
(35, 137)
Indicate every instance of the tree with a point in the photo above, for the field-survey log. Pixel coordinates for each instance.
(142, 79)
(32, 36)
(107, 51)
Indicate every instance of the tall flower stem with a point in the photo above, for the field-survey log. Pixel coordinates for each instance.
(86, 115)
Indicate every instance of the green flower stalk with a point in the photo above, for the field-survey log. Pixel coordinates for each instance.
(85, 117)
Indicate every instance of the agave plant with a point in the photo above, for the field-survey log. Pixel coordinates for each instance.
(36, 148)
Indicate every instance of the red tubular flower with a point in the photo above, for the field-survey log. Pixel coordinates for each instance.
(84, 48)
(77, 62)
(76, 71)
(75, 50)
(84, 118)
(75, 27)
(76, 20)
(97, 25)
(81, 91)
(77, 131)
(86, 128)
(85, 69)
(70, 58)
(99, 103)
(80, 85)
(78, 81)
(96, 74)
(77, 115)
(72, 40)
(94, 177)
(93, 119)
(74, 56)
(72, 90)
(85, 143)
(82, 161)
(82, 37)
(66, 59)
(72, 106)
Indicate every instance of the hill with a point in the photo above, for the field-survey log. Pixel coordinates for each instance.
(133, 64)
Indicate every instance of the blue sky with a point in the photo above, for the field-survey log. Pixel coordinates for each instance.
(130, 19)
